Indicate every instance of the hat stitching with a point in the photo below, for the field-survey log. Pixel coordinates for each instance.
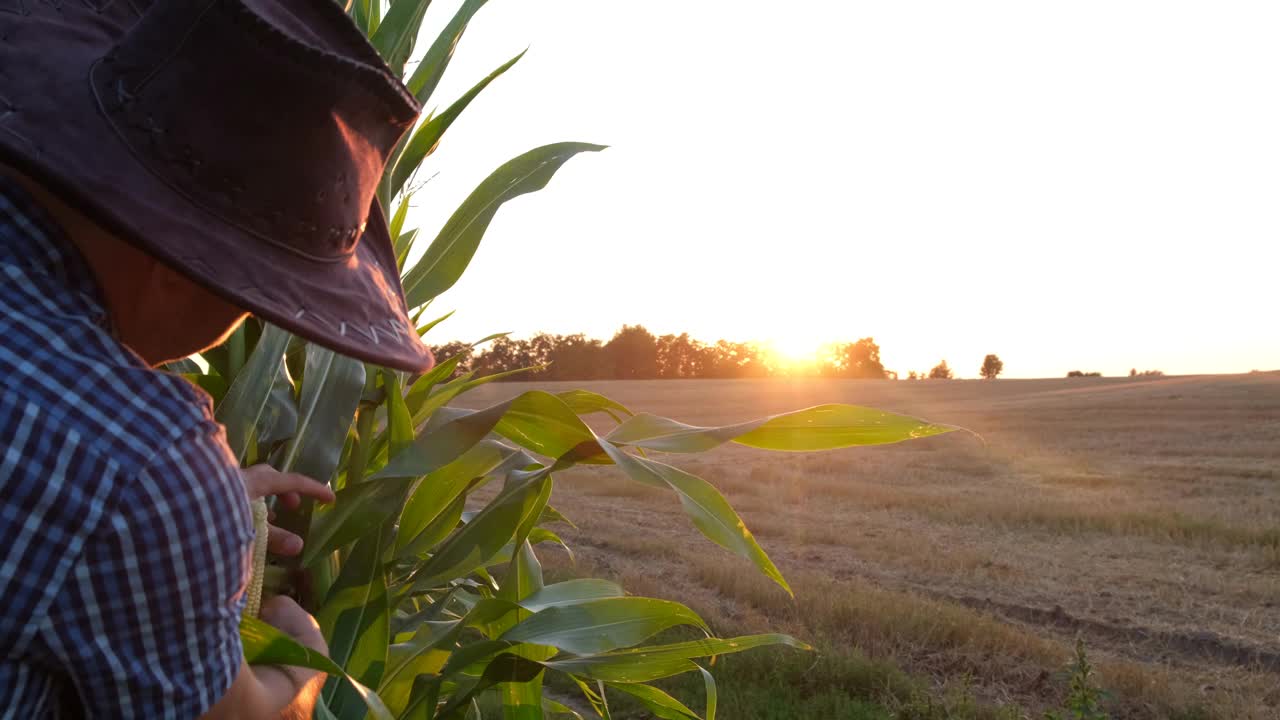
(391, 326)
(397, 327)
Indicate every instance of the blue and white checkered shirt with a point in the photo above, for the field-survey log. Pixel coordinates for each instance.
(124, 526)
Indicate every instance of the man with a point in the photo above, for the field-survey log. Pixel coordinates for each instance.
(163, 173)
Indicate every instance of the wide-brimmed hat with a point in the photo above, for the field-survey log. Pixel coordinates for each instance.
(238, 141)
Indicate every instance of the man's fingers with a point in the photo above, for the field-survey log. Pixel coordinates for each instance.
(282, 542)
(286, 615)
(263, 480)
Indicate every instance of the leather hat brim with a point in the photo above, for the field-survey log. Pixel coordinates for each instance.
(355, 306)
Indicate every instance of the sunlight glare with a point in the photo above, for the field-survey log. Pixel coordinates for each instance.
(795, 351)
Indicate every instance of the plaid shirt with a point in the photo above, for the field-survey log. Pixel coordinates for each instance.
(124, 525)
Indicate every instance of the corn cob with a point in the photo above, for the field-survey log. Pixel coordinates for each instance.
(253, 601)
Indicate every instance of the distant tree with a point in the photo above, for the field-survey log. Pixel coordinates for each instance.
(1133, 372)
(577, 357)
(633, 353)
(727, 359)
(677, 356)
(502, 355)
(912, 375)
(455, 348)
(1079, 373)
(1149, 373)
(859, 359)
(992, 366)
(940, 372)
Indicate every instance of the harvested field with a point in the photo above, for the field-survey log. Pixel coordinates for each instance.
(1142, 515)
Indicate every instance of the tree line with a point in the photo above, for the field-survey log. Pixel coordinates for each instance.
(634, 353)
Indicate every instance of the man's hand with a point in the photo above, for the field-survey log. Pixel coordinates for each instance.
(302, 685)
(261, 481)
(272, 691)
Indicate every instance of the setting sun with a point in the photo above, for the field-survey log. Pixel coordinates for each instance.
(793, 352)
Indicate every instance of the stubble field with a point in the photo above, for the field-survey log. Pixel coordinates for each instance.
(951, 577)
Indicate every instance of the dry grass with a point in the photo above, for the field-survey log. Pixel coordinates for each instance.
(1143, 515)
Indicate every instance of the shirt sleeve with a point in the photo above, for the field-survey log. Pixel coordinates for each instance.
(148, 625)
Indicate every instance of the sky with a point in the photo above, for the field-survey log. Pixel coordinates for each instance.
(1084, 185)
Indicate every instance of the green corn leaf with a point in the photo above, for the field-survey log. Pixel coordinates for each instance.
(360, 14)
(422, 83)
(360, 509)
(265, 645)
(237, 346)
(399, 421)
(431, 649)
(441, 488)
(450, 253)
(396, 226)
(394, 36)
(571, 592)
(522, 700)
(504, 668)
(404, 244)
(215, 385)
(488, 532)
(656, 701)
(279, 418)
(593, 698)
(428, 407)
(654, 662)
(442, 524)
(487, 338)
(598, 626)
(542, 535)
(523, 577)
(825, 427)
(535, 419)
(241, 408)
(551, 515)
(439, 446)
(421, 388)
(425, 653)
(708, 509)
(356, 621)
(322, 711)
(554, 710)
(543, 423)
(709, 682)
(524, 571)
(331, 389)
(585, 402)
(426, 138)
(424, 329)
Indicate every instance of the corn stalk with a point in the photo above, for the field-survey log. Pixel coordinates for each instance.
(427, 607)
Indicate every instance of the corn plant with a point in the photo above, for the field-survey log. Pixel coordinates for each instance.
(429, 592)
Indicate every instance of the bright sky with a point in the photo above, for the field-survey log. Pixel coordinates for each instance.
(1091, 185)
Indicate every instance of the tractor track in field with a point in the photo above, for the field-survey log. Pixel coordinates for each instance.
(1194, 649)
